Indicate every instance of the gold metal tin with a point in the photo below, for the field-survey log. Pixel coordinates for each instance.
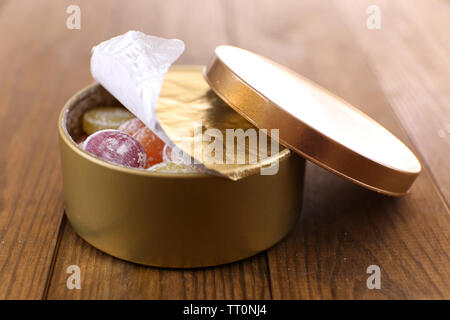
(297, 135)
(171, 220)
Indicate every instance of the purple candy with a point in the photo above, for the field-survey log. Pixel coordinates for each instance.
(116, 147)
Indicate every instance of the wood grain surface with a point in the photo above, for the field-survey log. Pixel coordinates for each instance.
(400, 75)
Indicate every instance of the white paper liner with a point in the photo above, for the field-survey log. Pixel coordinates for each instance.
(132, 67)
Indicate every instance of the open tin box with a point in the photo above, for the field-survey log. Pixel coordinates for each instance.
(198, 219)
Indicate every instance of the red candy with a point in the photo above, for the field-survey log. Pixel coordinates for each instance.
(116, 147)
(153, 145)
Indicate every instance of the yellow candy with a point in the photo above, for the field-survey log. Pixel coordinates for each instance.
(170, 167)
(105, 118)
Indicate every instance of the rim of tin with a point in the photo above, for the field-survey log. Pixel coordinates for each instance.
(67, 139)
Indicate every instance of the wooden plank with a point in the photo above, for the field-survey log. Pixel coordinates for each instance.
(409, 55)
(103, 276)
(344, 228)
(30, 189)
(40, 71)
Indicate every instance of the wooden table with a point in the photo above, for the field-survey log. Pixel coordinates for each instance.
(399, 74)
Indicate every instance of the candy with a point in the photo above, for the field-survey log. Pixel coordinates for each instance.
(169, 167)
(132, 126)
(153, 145)
(105, 118)
(116, 147)
(80, 141)
(175, 155)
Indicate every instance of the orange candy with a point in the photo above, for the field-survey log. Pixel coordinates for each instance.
(152, 144)
(131, 126)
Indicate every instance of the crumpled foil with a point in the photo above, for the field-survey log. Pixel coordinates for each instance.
(187, 104)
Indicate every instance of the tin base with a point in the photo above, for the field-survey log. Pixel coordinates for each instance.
(171, 220)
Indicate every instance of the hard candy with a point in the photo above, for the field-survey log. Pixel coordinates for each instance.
(116, 147)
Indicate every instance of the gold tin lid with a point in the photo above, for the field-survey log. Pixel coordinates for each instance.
(313, 122)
